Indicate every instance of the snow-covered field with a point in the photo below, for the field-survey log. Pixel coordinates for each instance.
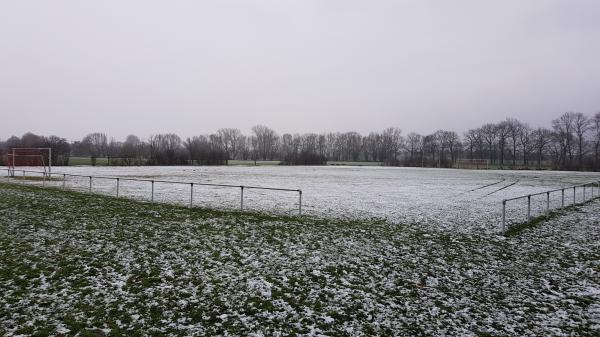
(463, 200)
(78, 264)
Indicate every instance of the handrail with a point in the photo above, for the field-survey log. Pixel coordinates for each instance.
(152, 181)
(550, 191)
(163, 181)
(547, 193)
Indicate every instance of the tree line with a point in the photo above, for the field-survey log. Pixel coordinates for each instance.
(571, 143)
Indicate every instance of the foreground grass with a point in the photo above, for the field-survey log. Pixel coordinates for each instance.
(83, 264)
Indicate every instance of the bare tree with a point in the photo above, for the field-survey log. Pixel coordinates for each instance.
(132, 150)
(471, 138)
(514, 130)
(581, 125)
(231, 140)
(502, 131)
(353, 145)
(413, 141)
(525, 142)
(61, 149)
(266, 141)
(596, 138)
(392, 143)
(373, 145)
(541, 138)
(31, 140)
(489, 134)
(563, 128)
(453, 142)
(164, 148)
(113, 150)
(96, 144)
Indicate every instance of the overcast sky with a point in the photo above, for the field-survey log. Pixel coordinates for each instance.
(190, 67)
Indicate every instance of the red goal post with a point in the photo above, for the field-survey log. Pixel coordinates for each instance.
(29, 157)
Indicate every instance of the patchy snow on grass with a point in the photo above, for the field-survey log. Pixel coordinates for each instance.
(464, 200)
(73, 263)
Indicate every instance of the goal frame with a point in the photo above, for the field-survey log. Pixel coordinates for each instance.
(477, 163)
(14, 155)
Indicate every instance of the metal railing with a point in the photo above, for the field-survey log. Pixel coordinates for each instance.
(548, 208)
(47, 177)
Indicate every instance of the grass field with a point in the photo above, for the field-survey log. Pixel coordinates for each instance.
(73, 263)
(76, 161)
(457, 200)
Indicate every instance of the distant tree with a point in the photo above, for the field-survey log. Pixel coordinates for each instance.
(489, 134)
(132, 151)
(452, 140)
(244, 147)
(231, 140)
(322, 146)
(353, 145)
(61, 149)
(96, 145)
(541, 139)
(471, 137)
(392, 142)
(13, 141)
(502, 131)
(563, 129)
(525, 142)
(595, 128)
(413, 142)
(165, 149)
(581, 125)
(514, 130)
(32, 140)
(430, 147)
(266, 141)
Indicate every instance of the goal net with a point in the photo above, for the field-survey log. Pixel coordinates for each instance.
(473, 163)
(37, 158)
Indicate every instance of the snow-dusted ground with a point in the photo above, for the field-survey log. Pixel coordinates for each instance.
(464, 200)
(75, 263)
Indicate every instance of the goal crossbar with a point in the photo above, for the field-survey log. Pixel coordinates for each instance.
(30, 152)
(473, 162)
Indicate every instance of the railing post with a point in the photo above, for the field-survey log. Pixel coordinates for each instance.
(64, 181)
(503, 216)
(118, 187)
(90, 184)
(563, 198)
(299, 202)
(152, 193)
(23, 180)
(528, 208)
(242, 198)
(583, 192)
(547, 203)
(592, 188)
(574, 195)
(191, 194)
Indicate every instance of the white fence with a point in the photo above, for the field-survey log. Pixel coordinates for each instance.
(550, 200)
(152, 190)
